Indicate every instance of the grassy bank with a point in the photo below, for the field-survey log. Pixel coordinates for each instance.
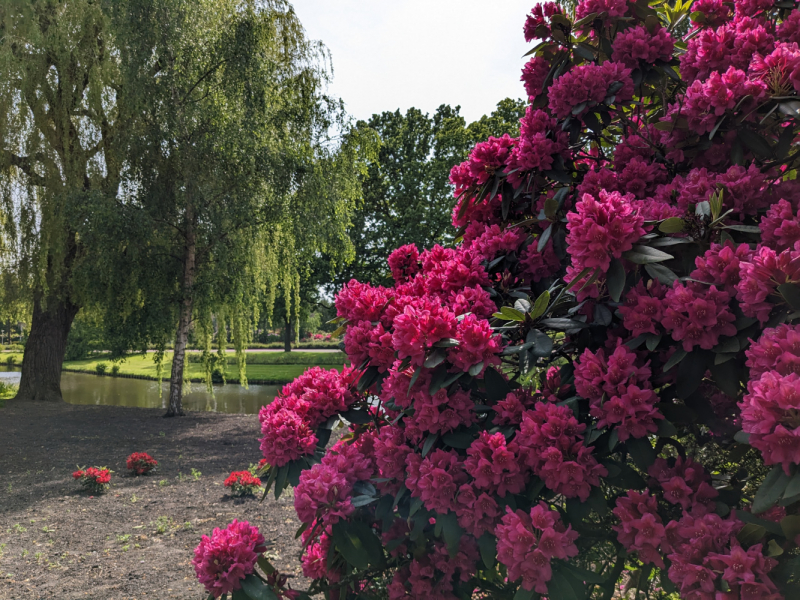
(262, 367)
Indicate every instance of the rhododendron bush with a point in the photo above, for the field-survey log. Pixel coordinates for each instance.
(598, 385)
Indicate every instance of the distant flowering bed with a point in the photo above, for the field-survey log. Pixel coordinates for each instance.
(598, 386)
(94, 480)
(242, 483)
(141, 463)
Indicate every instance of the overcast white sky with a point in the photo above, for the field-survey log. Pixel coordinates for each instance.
(390, 54)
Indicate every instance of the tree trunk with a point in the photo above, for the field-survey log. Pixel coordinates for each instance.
(175, 408)
(44, 351)
(287, 336)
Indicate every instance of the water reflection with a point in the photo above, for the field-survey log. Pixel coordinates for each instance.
(81, 388)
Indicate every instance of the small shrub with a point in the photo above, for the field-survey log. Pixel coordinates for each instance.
(196, 474)
(101, 368)
(163, 483)
(141, 463)
(256, 469)
(162, 525)
(93, 479)
(242, 483)
(114, 370)
(11, 360)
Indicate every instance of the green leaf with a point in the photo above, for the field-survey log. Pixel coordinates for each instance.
(458, 439)
(435, 358)
(652, 341)
(744, 228)
(793, 487)
(540, 305)
(690, 374)
(672, 225)
(790, 293)
(677, 357)
(770, 526)
(362, 500)
(523, 594)
(542, 343)
(429, 442)
(451, 531)
(755, 142)
(727, 344)
(475, 370)
(280, 481)
(663, 274)
(367, 379)
(615, 279)
(544, 237)
(643, 255)
(565, 324)
(641, 452)
(497, 387)
(791, 526)
(257, 589)
(582, 574)
(750, 534)
(561, 588)
(487, 544)
(512, 314)
(666, 429)
(627, 478)
(771, 490)
(742, 437)
(357, 543)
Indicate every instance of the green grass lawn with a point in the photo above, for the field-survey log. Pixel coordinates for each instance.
(263, 367)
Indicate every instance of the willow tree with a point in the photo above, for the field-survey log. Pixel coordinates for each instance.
(231, 180)
(59, 131)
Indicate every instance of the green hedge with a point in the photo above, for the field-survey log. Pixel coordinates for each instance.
(285, 358)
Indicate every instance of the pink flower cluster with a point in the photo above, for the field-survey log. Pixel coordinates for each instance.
(494, 464)
(537, 24)
(600, 229)
(620, 392)
(697, 316)
(228, 556)
(589, 85)
(287, 423)
(760, 277)
(685, 483)
(404, 263)
(526, 543)
(769, 415)
(778, 349)
(435, 479)
(641, 528)
(704, 549)
(324, 490)
(780, 227)
(638, 44)
(434, 574)
(551, 444)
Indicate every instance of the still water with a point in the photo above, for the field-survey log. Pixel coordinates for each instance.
(81, 388)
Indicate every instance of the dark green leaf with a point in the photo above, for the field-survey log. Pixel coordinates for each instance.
(362, 500)
(429, 442)
(615, 279)
(677, 357)
(560, 323)
(790, 293)
(744, 228)
(257, 589)
(793, 487)
(770, 526)
(487, 544)
(755, 142)
(642, 452)
(497, 387)
(602, 315)
(771, 490)
(582, 574)
(652, 341)
(359, 417)
(742, 437)
(542, 343)
(690, 374)
(627, 478)
(751, 534)
(666, 429)
(435, 358)
(643, 255)
(458, 439)
(475, 370)
(663, 274)
(561, 588)
(523, 594)
(544, 237)
(726, 376)
(446, 343)
(451, 531)
(367, 379)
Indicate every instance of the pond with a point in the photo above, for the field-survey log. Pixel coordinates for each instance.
(81, 388)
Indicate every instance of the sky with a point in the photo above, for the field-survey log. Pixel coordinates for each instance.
(395, 54)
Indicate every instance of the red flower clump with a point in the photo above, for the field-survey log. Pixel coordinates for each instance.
(93, 479)
(141, 463)
(242, 483)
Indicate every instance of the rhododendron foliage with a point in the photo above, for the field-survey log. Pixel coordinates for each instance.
(596, 389)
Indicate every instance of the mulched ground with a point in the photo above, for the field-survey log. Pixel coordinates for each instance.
(137, 540)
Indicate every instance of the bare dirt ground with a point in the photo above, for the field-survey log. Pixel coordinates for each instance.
(136, 541)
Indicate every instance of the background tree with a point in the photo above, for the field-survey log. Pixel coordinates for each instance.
(61, 135)
(407, 193)
(231, 179)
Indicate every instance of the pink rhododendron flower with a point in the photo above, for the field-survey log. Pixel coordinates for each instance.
(697, 316)
(228, 556)
(760, 277)
(685, 483)
(769, 415)
(404, 263)
(590, 83)
(641, 528)
(780, 227)
(638, 44)
(778, 349)
(286, 436)
(526, 543)
(534, 75)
